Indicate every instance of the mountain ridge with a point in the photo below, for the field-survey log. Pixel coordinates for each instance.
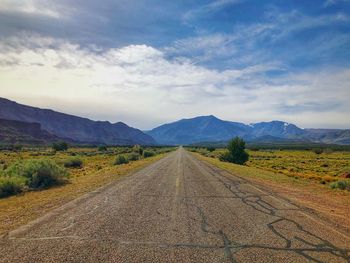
(212, 129)
(73, 127)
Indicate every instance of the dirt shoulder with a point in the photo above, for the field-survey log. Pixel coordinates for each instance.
(333, 206)
(21, 209)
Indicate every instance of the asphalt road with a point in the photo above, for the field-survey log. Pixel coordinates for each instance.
(178, 209)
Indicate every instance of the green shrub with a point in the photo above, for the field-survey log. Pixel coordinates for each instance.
(60, 146)
(38, 173)
(235, 152)
(340, 185)
(102, 148)
(73, 163)
(11, 185)
(211, 149)
(147, 154)
(133, 156)
(121, 159)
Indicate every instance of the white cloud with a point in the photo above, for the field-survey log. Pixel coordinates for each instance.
(139, 85)
(205, 9)
(36, 7)
(328, 3)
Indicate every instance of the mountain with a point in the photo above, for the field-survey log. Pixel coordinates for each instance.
(73, 127)
(12, 132)
(199, 129)
(211, 129)
(278, 129)
(329, 135)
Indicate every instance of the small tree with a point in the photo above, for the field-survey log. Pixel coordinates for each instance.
(60, 146)
(235, 152)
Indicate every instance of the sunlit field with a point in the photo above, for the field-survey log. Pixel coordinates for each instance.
(325, 165)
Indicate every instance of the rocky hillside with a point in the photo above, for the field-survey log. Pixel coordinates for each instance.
(18, 132)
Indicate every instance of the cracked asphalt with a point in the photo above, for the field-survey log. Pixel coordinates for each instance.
(178, 209)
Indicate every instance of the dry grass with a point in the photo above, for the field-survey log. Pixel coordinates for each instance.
(98, 170)
(325, 167)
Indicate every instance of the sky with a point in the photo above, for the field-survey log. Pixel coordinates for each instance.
(149, 62)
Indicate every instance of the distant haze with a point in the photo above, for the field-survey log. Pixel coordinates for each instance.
(147, 63)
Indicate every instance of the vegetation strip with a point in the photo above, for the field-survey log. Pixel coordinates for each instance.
(325, 166)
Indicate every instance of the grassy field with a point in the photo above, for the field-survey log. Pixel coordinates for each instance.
(97, 169)
(326, 167)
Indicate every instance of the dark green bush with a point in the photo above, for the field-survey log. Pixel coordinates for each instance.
(11, 186)
(235, 152)
(38, 173)
(60, 146)
(147, 154)
(102, 148)
(121, 159)
(211, 149)
(73, 163)
(340, 185)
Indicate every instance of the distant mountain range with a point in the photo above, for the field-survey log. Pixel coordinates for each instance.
(212, 129)
(71, 127)
(29, 125)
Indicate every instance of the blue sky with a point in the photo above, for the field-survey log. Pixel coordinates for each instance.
(150, 62)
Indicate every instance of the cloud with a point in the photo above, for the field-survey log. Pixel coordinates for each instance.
(283, 38)
(136, 62)
(33, 7)
(328, 3)
(206, 9)
(138, 84)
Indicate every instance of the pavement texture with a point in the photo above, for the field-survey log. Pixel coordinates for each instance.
(178, 209)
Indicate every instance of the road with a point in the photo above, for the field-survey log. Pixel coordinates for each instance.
(178, 209)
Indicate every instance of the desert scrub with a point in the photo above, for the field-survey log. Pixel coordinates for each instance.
(11, 185)
(60, 146)
(38, 174)
(133, 156)
(147, 154)
(343, 185)
(121, 159)
(73, 163)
